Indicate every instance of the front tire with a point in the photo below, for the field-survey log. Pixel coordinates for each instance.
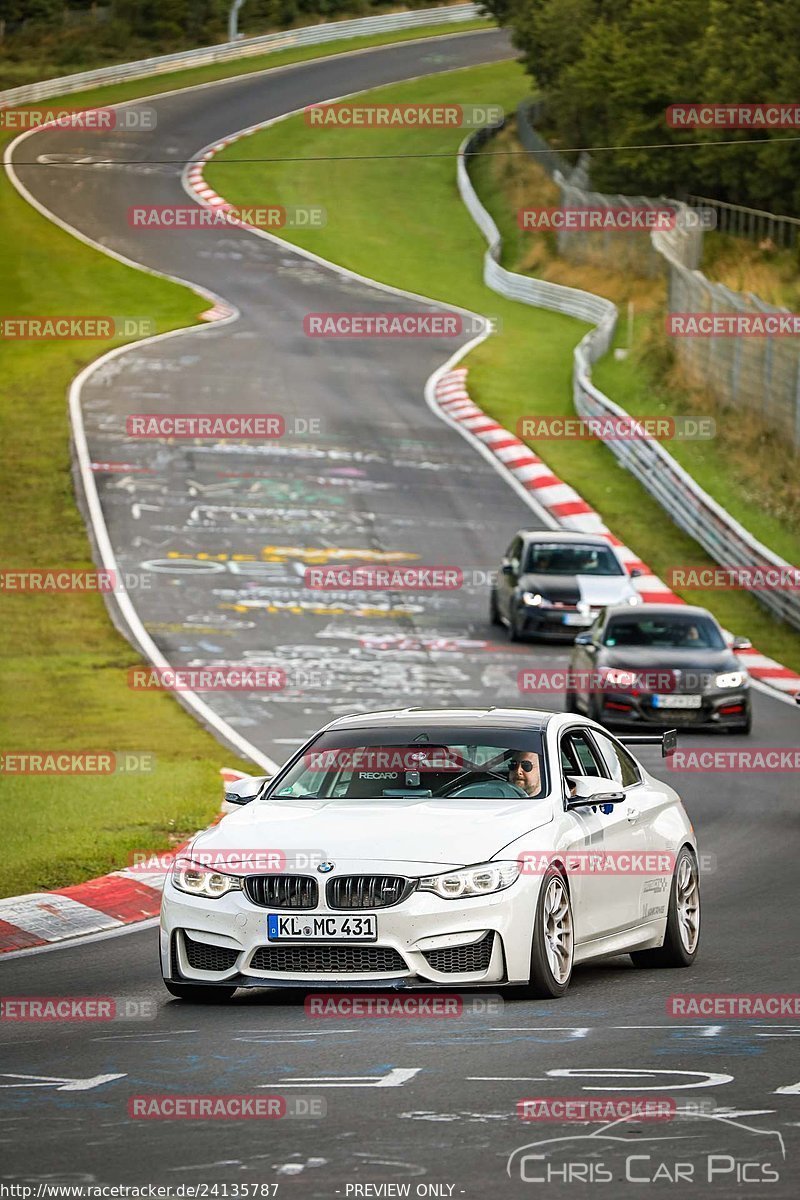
(553, 940)
(197, 993)
(514, 634)
(682, 937)
(494, 611)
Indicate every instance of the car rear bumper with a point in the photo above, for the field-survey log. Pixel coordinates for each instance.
(717, 710)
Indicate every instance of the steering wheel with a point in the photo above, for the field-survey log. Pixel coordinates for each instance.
(503, 788)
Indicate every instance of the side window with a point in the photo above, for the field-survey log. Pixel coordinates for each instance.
(514, 551)
(621, 767)
(596, 629)
(577, 757)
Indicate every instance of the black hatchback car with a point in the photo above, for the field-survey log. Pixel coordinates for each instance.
(659, 664)
(553, 584)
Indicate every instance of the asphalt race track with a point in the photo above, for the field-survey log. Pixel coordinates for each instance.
(383, 475)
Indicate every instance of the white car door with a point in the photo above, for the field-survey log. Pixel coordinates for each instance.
(613, 893)
(646, 801)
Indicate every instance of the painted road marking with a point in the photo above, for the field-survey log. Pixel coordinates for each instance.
(61, 1085)
(396, 1077)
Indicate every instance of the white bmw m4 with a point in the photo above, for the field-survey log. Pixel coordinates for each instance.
(456, 847)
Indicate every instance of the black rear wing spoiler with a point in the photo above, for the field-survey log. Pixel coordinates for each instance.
(667, 741)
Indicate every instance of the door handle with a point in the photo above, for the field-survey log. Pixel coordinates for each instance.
(633, 814)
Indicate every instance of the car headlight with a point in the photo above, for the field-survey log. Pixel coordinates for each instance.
(731, 680)
(617, 678)
(532, 598)
(199, 881)
(472, 881)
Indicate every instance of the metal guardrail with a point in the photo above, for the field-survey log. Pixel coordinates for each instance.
(689, 506)
(309, 35)
(536, 292)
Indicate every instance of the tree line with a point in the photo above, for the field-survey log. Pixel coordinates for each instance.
(608, 69)
(76, 33)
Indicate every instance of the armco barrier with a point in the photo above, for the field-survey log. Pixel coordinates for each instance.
(689, 506)
(309, 35)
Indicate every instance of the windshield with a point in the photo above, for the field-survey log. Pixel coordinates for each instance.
(442, 763)
(554, 558)
(670, 631)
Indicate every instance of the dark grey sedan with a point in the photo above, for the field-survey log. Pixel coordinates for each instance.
(660, 664)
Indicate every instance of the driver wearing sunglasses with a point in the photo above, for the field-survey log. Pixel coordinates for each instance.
(523, 770)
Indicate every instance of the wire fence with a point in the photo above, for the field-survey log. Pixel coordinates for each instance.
(745, 366)
(754, 223)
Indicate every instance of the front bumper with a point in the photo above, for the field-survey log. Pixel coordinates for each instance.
(422, 941)
(553, 622)
(719, 708)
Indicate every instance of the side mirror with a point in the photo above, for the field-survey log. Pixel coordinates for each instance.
(584, 639)
(741, 643)
(243, 790)
(507, 568)
(587, 791)
(636, 573)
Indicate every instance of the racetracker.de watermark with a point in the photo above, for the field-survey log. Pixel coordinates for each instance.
(442, 1005)
(711, 758)
(443, 115)
(90, 120)
(605, 679)
(397, 325)
(580, 1108)
(64, 579)
(732, 324)
(230, 861)
(386, 758)
(77, 762)
(183, 1107)
(625, 219)
(734, 578)
(735, 1005)
(205, 425)
(77, 1008)
(159, 218)
(207, 679)
(616, 429)
(402, 579)
(733, 115)
(68, 327)
(598, 862)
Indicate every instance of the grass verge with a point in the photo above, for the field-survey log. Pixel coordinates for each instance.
(400, 220)
(64, 665)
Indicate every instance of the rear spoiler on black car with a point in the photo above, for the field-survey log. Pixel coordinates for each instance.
(667, 741)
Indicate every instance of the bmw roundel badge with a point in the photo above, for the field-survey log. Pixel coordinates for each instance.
(325, 867)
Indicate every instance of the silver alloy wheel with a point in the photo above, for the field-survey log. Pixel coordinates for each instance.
(687, 903)
(557, 918)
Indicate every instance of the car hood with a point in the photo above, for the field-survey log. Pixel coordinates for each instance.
(597, 590)
(426, 832)
(650, 658)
